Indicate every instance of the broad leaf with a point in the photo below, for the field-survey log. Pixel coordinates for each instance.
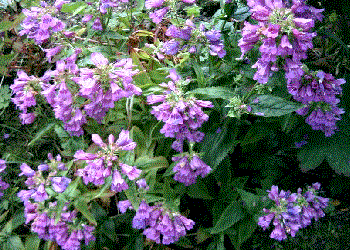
(199, 190)
(312, 155)
(217, 145)
(243, 231)
(215, 92)
(269, 105)
(42, 133)
(32, 243)
(13, 243)
(232, 214)
(82, 206)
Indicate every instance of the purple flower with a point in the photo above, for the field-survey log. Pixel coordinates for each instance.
(40, 194)
(149, 4)
(52, 52)
(142, 184)
(97, 25)
(26, 170)
(124, 205)
(292, 211)
(158, 15)
(158, 222)
(118, 183)
(124, 142)
(86, 18)
(59, 184)
(171, 47)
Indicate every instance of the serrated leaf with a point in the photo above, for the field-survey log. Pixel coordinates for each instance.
(338, 154)
(216, 146)
(13, 243)
(140, 139)
(244, 230)
(82, 206)
(199, 191)
(148, 163)
(32, 243)
(251, 200)
(74, 7)
(42, 133)
(231, 215)
(215, 92)
(270, 105)
(257, 132)
(312, 155)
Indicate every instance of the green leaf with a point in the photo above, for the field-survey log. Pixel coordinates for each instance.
(216, 146)
(13, 243)
(82, 206)
(140, 139)
(338, 154)
(243, 231)
(199, 191)
(199, 73)
(232, 214)
(193, 10)
(257, 132)
(132, 197)
(108, 229)
(215, 92)
(5, 96)
(148, 163)
(42, 133)
(32, 243)
(17, 220)
(270, 105)
(241, 13)
(251, 201)
(5, 25)
(74, 8)
(312, 155)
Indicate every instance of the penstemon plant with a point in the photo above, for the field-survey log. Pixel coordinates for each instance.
(148, 103)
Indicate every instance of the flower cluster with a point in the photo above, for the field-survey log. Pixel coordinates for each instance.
(284, 34)
(39, 23)
(182, 116)
(103, 6)
(98, 87)
(25, 89)
(160, 224)
(318, 90)
(188, 167)
(3, 185)
(44, 186)
(194, 40)
(292, 211)
(68, 231)
(162, 7)
(106, 162)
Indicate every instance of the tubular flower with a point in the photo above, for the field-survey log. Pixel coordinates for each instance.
(292, 211)
(282, 32)
(106, 163)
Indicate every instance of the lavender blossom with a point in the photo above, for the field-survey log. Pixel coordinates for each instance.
(106, 162)
(159, 222)
(292, 211)
(284, 34)
(40, 24)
